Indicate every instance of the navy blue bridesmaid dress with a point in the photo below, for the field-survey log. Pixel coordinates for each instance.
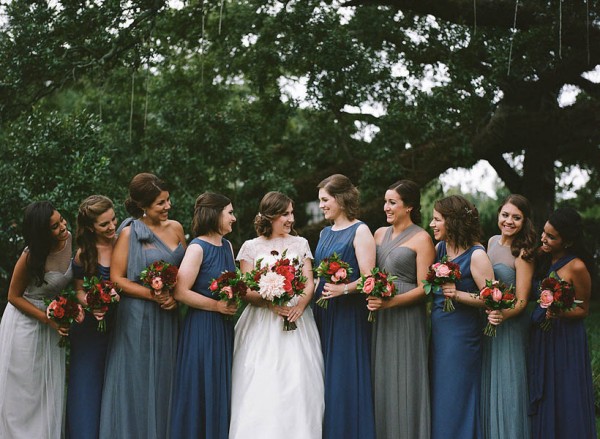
(456, 359)
(346, 342)
(202, 389)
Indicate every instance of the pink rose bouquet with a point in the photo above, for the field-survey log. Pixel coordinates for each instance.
(377, 284)
(64, 309)
(334, 271)
(496, 295)
(556, 295)
(278, 283)
(440, 273)
(160, 276)
(230, 287)
(100, 295)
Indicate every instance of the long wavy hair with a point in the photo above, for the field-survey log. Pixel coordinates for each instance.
(462, 220)
(525, 240)
(89, 211)
(38, 238)
(273, 205)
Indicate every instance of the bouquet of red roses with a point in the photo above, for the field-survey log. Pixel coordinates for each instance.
(278, 283)
(496, 295)
(64, 309)
(160, 276)
(334, 271)
(230, 286)
(556, 295)
(440, 273)
(100, 295)
(377, 284)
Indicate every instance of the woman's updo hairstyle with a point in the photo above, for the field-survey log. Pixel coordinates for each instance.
(345, 193)
(143, 190)
(273, 205)
(410, 194)
(461, 218)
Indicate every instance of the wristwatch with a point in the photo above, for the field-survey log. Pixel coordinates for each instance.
(346, 291)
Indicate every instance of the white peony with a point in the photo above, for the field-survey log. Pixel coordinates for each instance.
(270, 285)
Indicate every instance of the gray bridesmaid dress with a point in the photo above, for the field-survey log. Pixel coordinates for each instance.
(400, 351)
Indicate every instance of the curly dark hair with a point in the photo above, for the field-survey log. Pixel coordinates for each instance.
(273, 205)
(345, 193)
(462, 220)
(525, 240)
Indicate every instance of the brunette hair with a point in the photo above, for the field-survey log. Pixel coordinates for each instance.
(273, 205)
(89, 211)
(38, 238)
(143, 190)
(525, 240)
(410, 194)
(345, 193)
(207, 213)
(461, 218)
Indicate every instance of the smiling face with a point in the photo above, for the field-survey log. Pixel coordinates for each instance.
(395, 209)
(58, 227)
(282, 225)
(329, 205)
(552, 242)
(159, 209)
(510, 221)
(227, 219)
(105, 226)
(438, 226)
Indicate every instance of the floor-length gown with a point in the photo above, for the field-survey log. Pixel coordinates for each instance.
(504, 397)
(86, 369)
(346, 343)
(32, 366)
(456, 359)
(277, 387)
(561, 390)
(202, 387)
(400, 357)
(136, 398)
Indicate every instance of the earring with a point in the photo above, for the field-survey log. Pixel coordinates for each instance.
(144, 212)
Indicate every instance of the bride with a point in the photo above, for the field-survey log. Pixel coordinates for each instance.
(277, 378)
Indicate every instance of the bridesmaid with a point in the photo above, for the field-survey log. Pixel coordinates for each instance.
(202, 388)
(401, 392)
(136, 398)
(456, 336)
(32, 366)
(503, 409)
(95, 237)
(561, 391)
(343, 327)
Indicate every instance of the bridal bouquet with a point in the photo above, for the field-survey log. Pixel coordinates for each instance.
(64, 309)
(440, 273)
(556, 295)
(230, 286)
(278, 283)
(496, 295)
(100, 295)
(160, 276)
(334, 271)
(377, 284)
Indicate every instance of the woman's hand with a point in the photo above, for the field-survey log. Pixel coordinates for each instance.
(375, 303)
(494, 317)
(98, 313)
(226, 308)
(295, 312)
(165, 300)
(449, 290)
(63, 330)
(332, 290)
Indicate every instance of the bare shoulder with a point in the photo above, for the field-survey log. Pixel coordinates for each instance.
(577, 268)
(363, 230)
(379, 234)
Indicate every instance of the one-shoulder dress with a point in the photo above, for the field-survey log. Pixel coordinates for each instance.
(136, 399)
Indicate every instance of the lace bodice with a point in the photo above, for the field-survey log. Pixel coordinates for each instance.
(271, 249)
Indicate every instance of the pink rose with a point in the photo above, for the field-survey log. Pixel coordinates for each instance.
(228, 290)
(546, 298)
(497, 295)
(115, 295)
(368, 285)
(157, 283)
(442, 271)
(389, 290)
(339, 275)
(53, 305)
(214, 285)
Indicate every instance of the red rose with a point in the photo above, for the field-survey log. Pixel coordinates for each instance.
(59, 312)
(214, 285)
(333, 267)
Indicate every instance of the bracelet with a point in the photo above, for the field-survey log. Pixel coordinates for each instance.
(346, 291)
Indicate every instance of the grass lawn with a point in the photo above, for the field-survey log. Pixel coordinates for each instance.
(592, 323)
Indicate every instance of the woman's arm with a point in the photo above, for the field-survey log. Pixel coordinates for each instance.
(296, 311)
(481, 270)
(578, 275)
(524, 274)
(188, 272)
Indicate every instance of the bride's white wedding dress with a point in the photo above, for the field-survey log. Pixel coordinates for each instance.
(277, 377)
